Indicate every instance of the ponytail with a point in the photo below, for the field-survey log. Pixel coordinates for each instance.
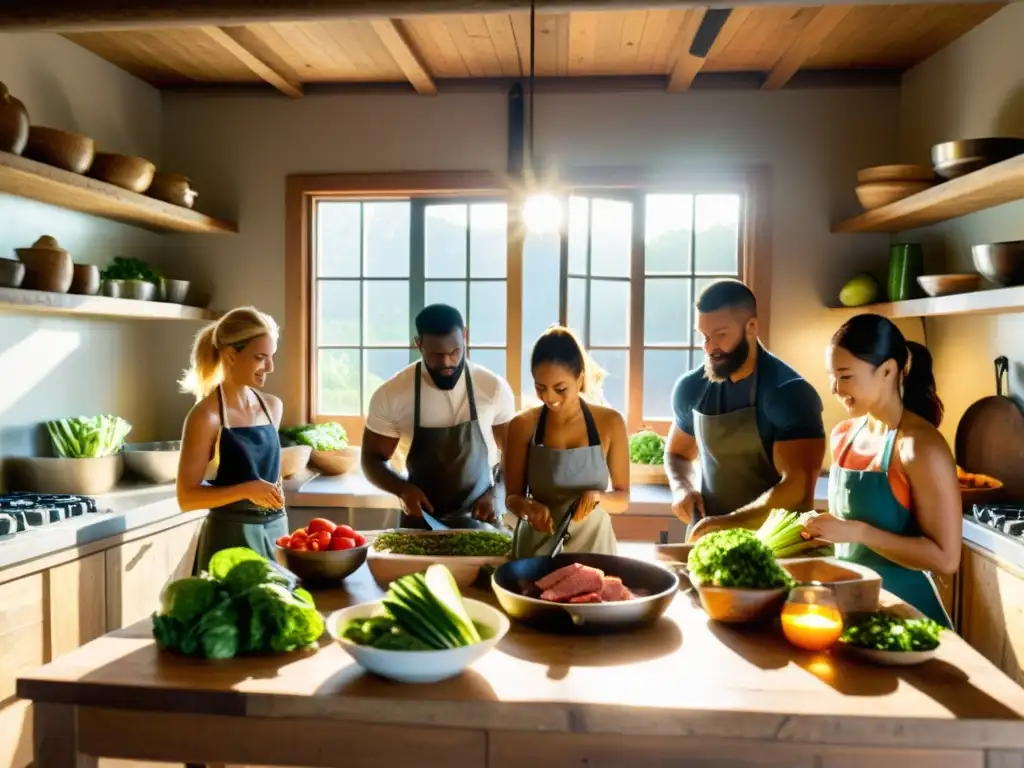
(235, 329)
(919, 393)
(560, 345)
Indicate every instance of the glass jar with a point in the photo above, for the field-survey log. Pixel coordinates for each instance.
(811, 618)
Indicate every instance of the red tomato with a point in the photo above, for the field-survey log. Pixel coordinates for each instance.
(298, 546)
(300, 534)
(284, 541)
(360, 539)
(344, 542)
(320, 524)
(344, 530)
(322, 540)
(335, 544)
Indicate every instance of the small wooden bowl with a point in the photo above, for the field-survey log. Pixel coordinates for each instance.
(12, 273)
(647, 474)
(739, 606)
(85, 280)
(294, 459)
(947, 285)
(879, 173)
(335, 462)
(131, 173)
(70, 151)
(172, 188)
(883, 193)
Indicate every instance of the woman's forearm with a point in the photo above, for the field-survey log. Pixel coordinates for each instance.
(918, 553)
(210, 496)
(516, 504)
(615, 502)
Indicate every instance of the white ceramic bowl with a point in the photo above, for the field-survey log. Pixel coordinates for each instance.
(419, 666)
(387, 567)
(890, 658)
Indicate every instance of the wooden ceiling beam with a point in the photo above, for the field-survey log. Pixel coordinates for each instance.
(236, 41)
(395, 39)
(102, 15)
(807, 44)
(687, 66)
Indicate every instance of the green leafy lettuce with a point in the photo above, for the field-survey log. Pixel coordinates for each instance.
(646, 447)
(736, 558)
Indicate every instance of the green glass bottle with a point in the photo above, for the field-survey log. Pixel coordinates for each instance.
(906, 264)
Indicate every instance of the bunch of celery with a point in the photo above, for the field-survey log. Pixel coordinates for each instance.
(85, 437)
(781, 532)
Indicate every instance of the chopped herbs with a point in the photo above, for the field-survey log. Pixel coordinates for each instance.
(454, 544)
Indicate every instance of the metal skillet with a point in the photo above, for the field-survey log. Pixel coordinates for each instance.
(513, 584)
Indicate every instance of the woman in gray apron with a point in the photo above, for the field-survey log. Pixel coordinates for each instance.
(230, 362)
(556, 459)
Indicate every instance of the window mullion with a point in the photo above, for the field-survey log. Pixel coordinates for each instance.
(417, 265)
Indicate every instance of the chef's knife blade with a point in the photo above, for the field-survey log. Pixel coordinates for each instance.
(562, 532)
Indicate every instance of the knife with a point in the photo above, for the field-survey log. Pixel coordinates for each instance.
(433, 522)
(562, 532)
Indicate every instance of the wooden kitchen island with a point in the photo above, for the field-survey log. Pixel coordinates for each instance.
(683, 692)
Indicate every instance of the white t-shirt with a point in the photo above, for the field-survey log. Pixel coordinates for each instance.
(392, 407)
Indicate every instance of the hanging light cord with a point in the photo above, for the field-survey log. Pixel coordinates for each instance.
(533, 34)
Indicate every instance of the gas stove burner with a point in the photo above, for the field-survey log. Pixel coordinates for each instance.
(20, 511)
(1008, 518)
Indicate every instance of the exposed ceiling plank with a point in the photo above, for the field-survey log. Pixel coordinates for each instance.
(234, 40)
(821, 26)
(76, 16)
(395, 39)
(687, 65)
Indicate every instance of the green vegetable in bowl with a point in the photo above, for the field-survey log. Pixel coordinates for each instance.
(646, 447)
(329, 436)
(85, 437)
(736, 558)
(454, 544)
(883, 631)
(121, 268)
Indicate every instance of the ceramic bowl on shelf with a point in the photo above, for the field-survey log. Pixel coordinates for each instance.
(132, 173)
(85, 280)
(173, 291)
(881, 193)
(1000, 263)
(173, 188)
(12, 273)
(48, 267)
(947, 285)
(420, 666)
(139, 290)
(14, 123)
(61, 149)
(878, 173)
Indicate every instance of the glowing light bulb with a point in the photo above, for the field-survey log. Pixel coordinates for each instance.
(542, 214)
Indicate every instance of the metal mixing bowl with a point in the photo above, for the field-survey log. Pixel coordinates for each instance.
(958, 158)
(156, 462)
(1000, 263)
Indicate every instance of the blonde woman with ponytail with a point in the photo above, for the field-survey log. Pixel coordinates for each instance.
(233, 420)
(569, 455)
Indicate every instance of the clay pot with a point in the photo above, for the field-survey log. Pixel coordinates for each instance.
(12, 273)
(86, 280)
(48, 267)
(131, 173)
(172, 188)
(70, 151)
(14, 123)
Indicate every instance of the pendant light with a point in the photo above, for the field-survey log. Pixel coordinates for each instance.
(542, 211)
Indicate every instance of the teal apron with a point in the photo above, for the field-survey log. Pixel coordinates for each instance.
(866, 496)
(246, 453)
(557, 478)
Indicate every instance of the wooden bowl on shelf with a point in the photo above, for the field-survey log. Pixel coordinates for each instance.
(883, 173)
(85, 280)
(335, 462)
(12, 273)
(61, 149)
(48, 267)
(132, 173)
(947, 285)
(882, 193)
(173, 188)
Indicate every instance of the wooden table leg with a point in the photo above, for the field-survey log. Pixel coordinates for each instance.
(55, 737)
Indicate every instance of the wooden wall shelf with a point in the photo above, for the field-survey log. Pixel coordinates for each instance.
(994, 302)
(38, 181)
(18, 300)
(987, 188)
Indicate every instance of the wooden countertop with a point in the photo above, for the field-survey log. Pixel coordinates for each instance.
(685, 676)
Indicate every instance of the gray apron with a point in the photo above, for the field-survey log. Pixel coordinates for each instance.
(556, 478)
(450, 465)
(246, 453)
(734, 467)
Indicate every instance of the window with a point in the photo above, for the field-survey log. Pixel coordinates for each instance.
(623, 272)
(377, 264)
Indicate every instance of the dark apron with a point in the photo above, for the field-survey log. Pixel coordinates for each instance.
(246, 453)
(556, 478)
(450, 465)
(734, 467)
(866, 496)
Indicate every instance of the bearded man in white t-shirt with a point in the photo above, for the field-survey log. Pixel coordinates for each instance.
(449, 417)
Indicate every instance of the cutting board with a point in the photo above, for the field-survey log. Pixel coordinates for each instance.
(990, 438)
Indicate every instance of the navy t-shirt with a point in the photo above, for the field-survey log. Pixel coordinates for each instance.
(788, 408)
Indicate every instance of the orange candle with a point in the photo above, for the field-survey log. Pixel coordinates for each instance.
(811, 619)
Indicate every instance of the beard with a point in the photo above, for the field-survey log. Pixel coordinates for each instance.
(719, 366)
(446, 381)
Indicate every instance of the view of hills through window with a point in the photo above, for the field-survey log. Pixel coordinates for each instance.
(378, 262)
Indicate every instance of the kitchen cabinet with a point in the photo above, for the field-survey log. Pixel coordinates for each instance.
(137, 572)
(992, 609)
(77, 603)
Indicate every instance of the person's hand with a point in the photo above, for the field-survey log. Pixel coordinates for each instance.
(829, 528)
(484, 508)
(263, 494)
(414, 501)
(588, 501)
(685, 506)
(704, 527)
(538, 516)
